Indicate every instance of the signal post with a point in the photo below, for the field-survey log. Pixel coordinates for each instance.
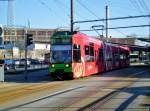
(1, 64)
(28, 41)
(1, 56)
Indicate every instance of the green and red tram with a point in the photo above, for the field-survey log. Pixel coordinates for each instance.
(78, 55)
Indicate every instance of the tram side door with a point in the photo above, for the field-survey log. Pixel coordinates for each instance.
(101, 60)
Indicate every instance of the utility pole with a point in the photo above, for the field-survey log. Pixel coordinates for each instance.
(106, 23)
(26, 65)
(149, 39)
(10, 24)
(28, 23)
(10, 13)
(28, 41)
(71, 16)
(149, 27)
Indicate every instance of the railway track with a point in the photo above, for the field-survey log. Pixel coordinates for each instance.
(20, 91)
(105, 99)
(89, 94)
(50, 96)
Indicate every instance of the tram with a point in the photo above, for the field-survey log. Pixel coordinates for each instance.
(78, 55)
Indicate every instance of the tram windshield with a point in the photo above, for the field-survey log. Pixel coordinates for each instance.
(60, 56)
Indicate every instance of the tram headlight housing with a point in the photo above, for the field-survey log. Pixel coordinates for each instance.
(53, 65)
(67, 65)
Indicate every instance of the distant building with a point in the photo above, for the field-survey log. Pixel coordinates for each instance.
(131, 41)
(41, 39)
(16, 37)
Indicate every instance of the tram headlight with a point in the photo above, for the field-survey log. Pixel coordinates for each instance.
(67, 65)
(53, 65)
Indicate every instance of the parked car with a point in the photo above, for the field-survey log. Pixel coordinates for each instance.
(33, 61)
(21, 63)
(9, 64)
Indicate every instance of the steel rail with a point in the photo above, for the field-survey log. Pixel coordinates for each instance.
(100, 102)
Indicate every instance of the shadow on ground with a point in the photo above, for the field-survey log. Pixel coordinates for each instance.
(129, 71)
(134, 91)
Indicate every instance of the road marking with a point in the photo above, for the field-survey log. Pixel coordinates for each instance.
(52, 95)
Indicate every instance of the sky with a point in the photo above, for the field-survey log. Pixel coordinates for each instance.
(53, 14)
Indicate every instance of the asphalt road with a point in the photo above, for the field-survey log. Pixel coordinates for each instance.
(119, 90)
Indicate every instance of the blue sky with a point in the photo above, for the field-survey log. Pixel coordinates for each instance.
(55, 14)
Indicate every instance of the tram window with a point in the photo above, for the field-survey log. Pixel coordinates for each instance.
(127, 56)
(76, 53)
(87, 50)
(121, 57)
(91, 53)
(116, 56)
(101, 53)
(87, 53)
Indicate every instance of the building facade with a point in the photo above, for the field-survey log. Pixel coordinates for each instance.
(16, 37)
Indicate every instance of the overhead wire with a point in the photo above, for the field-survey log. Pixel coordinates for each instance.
(138, 5)
(44, 4)
(96, 15)
(87, 8)
(62, 7)
(142, 5)
(134, 4)
(145, 5)
(65, 6)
